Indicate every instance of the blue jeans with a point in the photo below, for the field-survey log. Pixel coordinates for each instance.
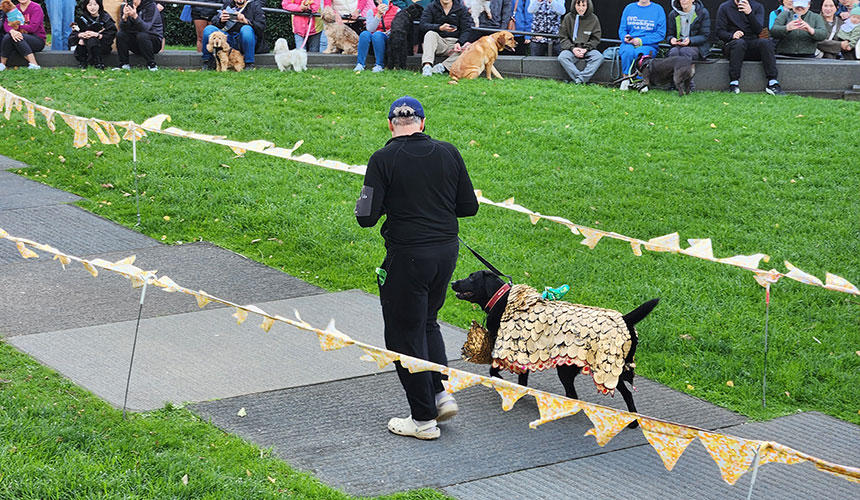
(61, 13)
(245, 41)
(629, 53)
(378, 39)
(313, 44)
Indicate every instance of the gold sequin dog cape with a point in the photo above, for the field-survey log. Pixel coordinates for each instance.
(536, 334)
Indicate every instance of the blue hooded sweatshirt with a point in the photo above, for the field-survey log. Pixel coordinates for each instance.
(647, 23)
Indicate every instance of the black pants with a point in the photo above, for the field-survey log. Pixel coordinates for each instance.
(30, 44)
(145, 45)
(92, 50)
(414, 291)
(751, 50)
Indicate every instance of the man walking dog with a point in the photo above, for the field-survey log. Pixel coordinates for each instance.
(422, 187)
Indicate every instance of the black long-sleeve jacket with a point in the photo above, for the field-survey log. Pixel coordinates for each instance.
(459, 17)
(421, 185)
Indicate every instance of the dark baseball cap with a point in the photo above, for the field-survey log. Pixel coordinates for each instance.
(406, 106)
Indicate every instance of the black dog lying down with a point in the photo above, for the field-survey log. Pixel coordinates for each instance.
(492, 294)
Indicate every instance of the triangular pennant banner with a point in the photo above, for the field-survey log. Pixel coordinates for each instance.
(534, 218)
(510, 393)
(64, 259)
(668, 440)
(380, 357)
(573, 228)
(700, 248)
(237, 150)
(607, 422)
(103, 138)
(3, 233)
(850, 473)
(48, 113)
(268, 321)
(459, 380)
(767, 278)
(415, 365)
(91, 268)
(167, 284)
(839, 283)
(9, 102)
(202, 299)
(732, 455)
(108, 127)
(31, 113)
(241, 315)
(745, 261)
(553, 407)
(637, 248)
(801, 276)
(771, 453)
(666, 243)
(155, 122)
(591, 237)
(26, 252)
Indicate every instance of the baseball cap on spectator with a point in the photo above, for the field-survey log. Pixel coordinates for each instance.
(801, 3)
(406, 106)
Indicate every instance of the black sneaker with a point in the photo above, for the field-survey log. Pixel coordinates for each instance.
(100, 66)
(152, 66)
(82, 65)
(734, 89)
(774, 89)
(250, 67)
(209, 65)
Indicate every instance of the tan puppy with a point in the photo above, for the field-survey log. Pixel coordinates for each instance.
(226, 57)
(481, 55)
(341, 38)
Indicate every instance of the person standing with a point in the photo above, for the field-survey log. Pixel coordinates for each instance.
(739, 25)
(61, 13)
(421, 185)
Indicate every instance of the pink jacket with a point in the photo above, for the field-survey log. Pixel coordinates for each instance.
(300, 23)
(34, 19)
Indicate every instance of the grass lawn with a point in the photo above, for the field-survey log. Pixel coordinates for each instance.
(752, 172)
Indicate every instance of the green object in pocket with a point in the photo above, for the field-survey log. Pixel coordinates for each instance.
(381, 274)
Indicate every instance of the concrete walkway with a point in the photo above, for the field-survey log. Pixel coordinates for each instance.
(325, 412)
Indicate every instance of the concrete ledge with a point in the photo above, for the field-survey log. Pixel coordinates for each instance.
(818, 77)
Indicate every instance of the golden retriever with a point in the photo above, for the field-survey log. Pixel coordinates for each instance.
(481, 55)
(226, 57)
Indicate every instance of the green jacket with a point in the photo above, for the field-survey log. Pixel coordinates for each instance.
(798, 41)
(852, 36)
(587, 35)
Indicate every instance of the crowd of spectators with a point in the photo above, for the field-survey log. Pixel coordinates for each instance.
(566, 29)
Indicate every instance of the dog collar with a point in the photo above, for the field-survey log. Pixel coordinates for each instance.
(498, 295)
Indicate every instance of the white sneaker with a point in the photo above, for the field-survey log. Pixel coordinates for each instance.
(625, 85)
(358, 68)
(408, 427)
(124, 66)
(2, 67)
(427, 71)
(377, 68)
(33, 66)
(439, 68)
(446, 407)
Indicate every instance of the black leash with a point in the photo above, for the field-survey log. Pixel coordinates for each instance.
(491, 267)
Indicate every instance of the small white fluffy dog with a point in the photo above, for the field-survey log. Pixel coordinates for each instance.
(285, 58)
(476, 7)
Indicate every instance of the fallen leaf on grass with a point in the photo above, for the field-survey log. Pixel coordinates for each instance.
(107, 185)
(270, 478)
(857, 353)
(225, 165)
(690, 387)
(62, 159)
(256, 240)
(248, 472)
(787, 394)
(166, 217)
(713, 125)
(495, 155)
(730, 383)
(99, 153)
(686, 336)
(185, 479)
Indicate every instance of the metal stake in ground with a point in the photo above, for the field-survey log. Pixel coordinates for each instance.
(764, 372)
(134, 166)
(754, 470)
(134, 346)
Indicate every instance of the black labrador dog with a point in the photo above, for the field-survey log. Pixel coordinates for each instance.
(399, 45)
(482, 285)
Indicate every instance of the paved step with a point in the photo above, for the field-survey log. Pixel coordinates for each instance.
(43, 297)
(20, 192)
(639, 472)
(337, 430)
(204, 355)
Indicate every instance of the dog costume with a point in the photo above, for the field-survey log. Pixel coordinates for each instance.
(536, 334)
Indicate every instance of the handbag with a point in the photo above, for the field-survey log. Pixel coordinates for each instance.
(512, 23)
(478, 347)
(185, 15)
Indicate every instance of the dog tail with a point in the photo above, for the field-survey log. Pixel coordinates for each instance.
(638, 314)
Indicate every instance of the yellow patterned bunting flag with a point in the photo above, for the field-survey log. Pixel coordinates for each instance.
(534, 218)
(31, 113)
(380, 357)
(850, 473)
(241, 315)
(839, 283)
(591, 237)
(767, 278)
(155, 122)
(415, 365)
(9, 102)
(332, 339)
(732, 455)
(669, 440)
(103, 138)
(459, 380)
(64, 259)
(776, 453)
(26, 252)
(666, 243)
(607, 422)
(267, 323)
(553, 407)
(699, 248)
(637, 248)
(510, 393)
(3, 233)
(91, 268)
(110, 130)
(167, 284)
(48, 113)
(202, 299)
(801, 276)
(745, 261)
